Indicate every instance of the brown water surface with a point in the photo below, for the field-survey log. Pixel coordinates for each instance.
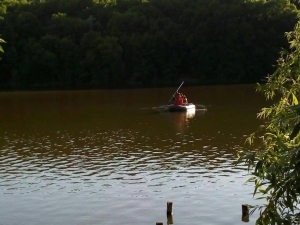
(106, 157)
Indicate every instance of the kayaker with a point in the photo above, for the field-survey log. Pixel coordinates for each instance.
(185, 101)
(179, 100)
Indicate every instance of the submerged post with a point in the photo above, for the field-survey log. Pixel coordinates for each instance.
(159, 223)
(170, 219)
(245, 218)
(169, 208)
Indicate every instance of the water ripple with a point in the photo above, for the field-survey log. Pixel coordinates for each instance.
(112, 156)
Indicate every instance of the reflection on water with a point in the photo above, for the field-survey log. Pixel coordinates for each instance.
(181, 119)
(65, 158)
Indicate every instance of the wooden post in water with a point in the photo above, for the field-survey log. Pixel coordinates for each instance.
(169, 208)
(159, 223)
(245, 209)
(245, 213)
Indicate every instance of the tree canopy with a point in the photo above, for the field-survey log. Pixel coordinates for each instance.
(132, 43)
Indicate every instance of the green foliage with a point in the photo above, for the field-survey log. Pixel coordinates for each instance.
(105, 2)
(150, 43)
(1, 41)
(276, 166)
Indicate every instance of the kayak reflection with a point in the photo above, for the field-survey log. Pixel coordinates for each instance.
(181, 119)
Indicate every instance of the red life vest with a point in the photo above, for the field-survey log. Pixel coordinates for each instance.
(179, 101)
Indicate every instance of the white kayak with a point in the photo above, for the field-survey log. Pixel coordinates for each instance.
(188, 107)
(180, 108)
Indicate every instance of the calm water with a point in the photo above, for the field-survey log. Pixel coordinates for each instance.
(105, 157)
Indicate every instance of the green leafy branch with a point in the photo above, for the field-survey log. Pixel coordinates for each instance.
(275, 165)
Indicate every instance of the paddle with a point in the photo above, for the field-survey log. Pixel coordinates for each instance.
(176, 91)
(200, 106)
(162, 107)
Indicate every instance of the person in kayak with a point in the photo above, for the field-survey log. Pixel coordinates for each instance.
(178, 99)
(185, 101)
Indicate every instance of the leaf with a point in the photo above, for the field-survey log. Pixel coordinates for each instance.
(263, 197)
(295, 107)
(1, 41)
(255, 189)
(258, 166)
(249, 140)
(250, 179)
(289, 202)
(281, 144)
(295, 100)
(295, 131)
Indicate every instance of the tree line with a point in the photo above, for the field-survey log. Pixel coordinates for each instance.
(69, 44)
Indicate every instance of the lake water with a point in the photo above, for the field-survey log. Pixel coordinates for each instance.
(106, 157)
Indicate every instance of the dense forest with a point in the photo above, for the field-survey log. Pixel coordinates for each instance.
(71, 44)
